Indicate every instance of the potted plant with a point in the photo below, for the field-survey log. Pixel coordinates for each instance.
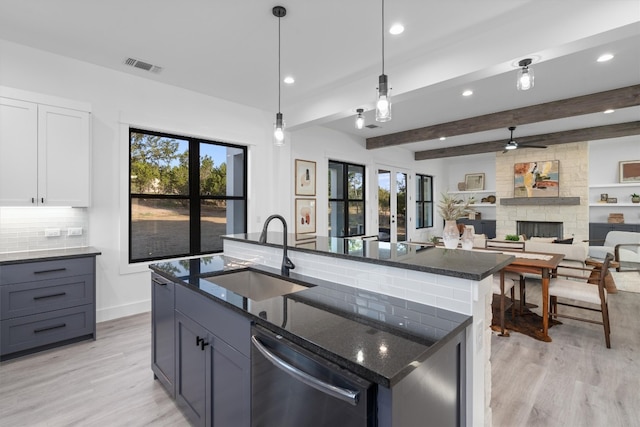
(635, 198)
(450, 210)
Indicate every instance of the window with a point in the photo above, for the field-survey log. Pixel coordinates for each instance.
(424, 201)
(184, 194)
(346, 199)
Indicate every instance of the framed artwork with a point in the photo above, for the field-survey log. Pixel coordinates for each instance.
(537, 179)
(630, 171)
(305, 216)
(474, 181)
(305, 178)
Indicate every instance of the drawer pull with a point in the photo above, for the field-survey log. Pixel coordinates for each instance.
(158, 282)
(49, 271)
(62, 325)
(50, 296)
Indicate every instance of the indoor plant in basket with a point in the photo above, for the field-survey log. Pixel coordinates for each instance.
(635, 198)
(450, 210)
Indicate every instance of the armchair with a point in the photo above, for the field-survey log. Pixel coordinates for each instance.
(625, 245)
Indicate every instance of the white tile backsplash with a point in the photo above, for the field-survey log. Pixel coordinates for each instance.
(22, 229)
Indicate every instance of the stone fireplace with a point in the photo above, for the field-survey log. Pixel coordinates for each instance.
(573, 184)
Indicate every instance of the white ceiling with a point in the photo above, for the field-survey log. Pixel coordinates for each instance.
(228, 49)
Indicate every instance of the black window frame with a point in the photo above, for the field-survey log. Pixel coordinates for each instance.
(346, 200)
(420, 178)
(194, 197)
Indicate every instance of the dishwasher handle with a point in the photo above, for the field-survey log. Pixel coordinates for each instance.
(349, 396)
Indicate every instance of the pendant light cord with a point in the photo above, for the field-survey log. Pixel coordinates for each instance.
(279, 79)
(382, 36)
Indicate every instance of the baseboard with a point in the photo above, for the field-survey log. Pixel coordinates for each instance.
(110, 313)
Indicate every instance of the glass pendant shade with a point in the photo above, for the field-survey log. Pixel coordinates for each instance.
(383, 103)
(525, 76)
(360, 119)
(278, 130)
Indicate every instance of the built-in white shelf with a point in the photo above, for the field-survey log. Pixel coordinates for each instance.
(611, 205)
(471, 192)
(480, 205)
(615, 185)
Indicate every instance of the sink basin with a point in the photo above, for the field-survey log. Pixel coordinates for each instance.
(254, 285)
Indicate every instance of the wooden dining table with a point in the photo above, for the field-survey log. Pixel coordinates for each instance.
(543, 264)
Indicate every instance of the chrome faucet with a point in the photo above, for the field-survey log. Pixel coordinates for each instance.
(286, 262)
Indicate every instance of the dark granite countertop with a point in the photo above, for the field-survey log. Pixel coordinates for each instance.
(378, 337)
(429, 259)
(47, 255)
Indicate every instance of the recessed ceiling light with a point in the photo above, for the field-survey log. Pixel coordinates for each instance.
(289, 80)
(396, 29)
(609, 111)
(442, 138)
(606, 57)
(467, 93)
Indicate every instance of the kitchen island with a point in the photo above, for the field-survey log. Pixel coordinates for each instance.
(456, 280)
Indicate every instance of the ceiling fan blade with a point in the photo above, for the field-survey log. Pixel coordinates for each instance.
(531, 146)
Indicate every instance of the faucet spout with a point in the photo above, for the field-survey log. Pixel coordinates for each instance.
(286, 262)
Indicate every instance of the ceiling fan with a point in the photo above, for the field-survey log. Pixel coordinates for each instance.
(512, 144)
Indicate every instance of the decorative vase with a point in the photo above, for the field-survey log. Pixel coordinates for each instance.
(450, 234)
(467, 239)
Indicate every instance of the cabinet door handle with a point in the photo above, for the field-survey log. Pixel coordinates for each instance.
(158, 282)
(50, 271)
(61, 325)
(60, 294)
(42, 200)
(203, 344)
(33, 200)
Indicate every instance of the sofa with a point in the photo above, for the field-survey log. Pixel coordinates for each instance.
(575, 254)
(624, 245)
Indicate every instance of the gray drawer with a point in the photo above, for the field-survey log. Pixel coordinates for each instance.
(231, 327)
(45, 270)
(27, 332)
(23, 299)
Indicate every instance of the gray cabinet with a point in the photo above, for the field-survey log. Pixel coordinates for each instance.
(481, 226)
(162, 331)
(46, 303)
(211, 349)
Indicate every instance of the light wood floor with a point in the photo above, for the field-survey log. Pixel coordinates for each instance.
(573, 381)
(107, 382)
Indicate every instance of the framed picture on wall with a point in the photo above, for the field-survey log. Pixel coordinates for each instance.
(305, 178)
(305, 216)
(474, 181)
(630, 171)
(537, 179)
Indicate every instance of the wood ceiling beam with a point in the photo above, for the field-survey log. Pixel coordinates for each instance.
(576, 135)
(617, 98)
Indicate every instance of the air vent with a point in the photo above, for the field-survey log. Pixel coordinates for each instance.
(132, 62)
(372, 126)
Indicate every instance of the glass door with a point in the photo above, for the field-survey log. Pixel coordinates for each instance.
(392, 205)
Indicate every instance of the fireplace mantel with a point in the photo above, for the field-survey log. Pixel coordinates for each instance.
(532, 201)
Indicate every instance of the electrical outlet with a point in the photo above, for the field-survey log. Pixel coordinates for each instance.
(51, 232)
(74, 231)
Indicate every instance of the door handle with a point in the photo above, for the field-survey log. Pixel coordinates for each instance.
(349, 396)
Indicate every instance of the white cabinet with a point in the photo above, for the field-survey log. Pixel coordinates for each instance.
(44, 154)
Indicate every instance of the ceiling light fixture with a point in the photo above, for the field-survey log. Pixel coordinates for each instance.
(289, 80)
(278, 131)
(609, 111)
(512, 144)
(525, 75)
(396, 29)
(360, 118)
(467, 93)
(383, 103)
(604, 58)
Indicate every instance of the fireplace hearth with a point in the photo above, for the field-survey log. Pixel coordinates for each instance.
(540, 229)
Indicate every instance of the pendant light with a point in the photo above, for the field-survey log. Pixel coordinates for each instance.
(278, 127)
(383, 102)
(525, 75)
(359, 118)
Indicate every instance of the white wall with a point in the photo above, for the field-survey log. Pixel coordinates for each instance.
(119, 99)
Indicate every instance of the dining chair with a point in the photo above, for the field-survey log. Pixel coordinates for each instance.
(584, 292)
(509, 283)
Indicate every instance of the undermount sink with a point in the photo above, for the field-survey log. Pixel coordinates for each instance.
(255, 285)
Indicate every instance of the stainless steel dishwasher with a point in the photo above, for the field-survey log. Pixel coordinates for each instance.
(291, 386)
